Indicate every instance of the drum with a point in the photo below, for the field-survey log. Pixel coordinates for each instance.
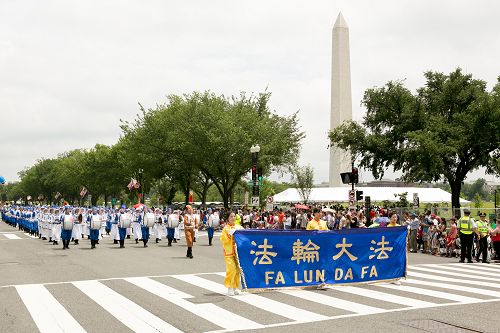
(67, 222)
(214, 221)
(173, 221)
(149, 220)
(125, 220)
(95, 222)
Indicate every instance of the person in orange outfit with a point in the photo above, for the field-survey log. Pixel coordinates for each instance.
(190, 224)
(232, 280)
(317, 223)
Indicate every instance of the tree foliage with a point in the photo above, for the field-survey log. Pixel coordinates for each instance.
(204, 138)
(448, 128)
(303, 177)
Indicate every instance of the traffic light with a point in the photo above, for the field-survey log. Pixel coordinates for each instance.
(260, 177)
(346, 177)
(359, 195)
(254, 173)
(355, 176)
(255, 190)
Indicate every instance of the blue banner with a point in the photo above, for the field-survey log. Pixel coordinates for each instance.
(299, 258)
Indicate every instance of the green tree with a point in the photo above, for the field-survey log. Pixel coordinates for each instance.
(303, 177)
(478, 201)
(479, 187)
(450, 127)
(209, 135)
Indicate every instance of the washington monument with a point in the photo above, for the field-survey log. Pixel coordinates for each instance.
(341, 99)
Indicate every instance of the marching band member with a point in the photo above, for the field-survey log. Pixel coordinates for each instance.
(197, 217)
(190, 224)
(50, 225)
(67, 220)
(147, 221)
(77, 227)
(114, 234)
(125, 220)
(212, 223)
(171, 220)
(232, 279)
(158, 226)
(45, 224)
(56, 227)
(95, 223)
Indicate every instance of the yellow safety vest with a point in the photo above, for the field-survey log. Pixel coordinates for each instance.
(482, 227)
(465, 224)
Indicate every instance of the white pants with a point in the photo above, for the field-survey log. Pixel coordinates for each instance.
(137, 230)
(85, 229)
(177, 233)
(76, 233)
(158, 231)
(114, 234)
(56, 232)
(50, 226)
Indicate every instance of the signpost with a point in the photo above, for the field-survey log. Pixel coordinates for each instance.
(416, 201)
(255, 202)
(352, 198)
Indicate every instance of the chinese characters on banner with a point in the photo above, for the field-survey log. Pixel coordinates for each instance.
(278, 258)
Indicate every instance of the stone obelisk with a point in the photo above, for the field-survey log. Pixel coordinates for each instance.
(341, 98)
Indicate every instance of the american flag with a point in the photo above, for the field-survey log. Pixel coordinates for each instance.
(83, 192)
(133, 184)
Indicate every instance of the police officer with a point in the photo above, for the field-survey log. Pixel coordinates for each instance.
(467, 227)
(483, 230)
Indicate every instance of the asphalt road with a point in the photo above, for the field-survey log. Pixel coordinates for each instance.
(45, 288)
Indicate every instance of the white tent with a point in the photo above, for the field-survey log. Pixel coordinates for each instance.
(376, 194)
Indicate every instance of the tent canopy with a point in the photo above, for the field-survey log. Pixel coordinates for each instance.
(376, 194)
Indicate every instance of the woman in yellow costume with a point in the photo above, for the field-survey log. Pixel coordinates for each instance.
(232, 280)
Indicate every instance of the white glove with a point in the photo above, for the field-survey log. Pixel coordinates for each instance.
(231, 231)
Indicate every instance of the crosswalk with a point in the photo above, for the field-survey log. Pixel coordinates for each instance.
(15, 236)
(197, 302)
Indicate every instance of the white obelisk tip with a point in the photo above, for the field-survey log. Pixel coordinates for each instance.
(340, 23)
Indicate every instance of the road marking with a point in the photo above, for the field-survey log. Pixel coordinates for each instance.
(449, 279)
(479, 291)
(384, 296)
(12, 236)
(48, 314)
(429, 292)
(478, 265)
(260, 302)
(207, 311)
(473, 277)
(129, 313)
(472, 271)
(333, 302)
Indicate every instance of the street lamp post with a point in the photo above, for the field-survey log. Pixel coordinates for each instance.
(255, 149)
(141, 191)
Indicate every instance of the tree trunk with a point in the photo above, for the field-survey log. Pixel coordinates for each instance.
(186, 192)
(171, 195)
(456, 187)
(105, 200)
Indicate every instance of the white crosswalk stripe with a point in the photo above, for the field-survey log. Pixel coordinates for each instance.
(427, 286)
(49, 315)
(11, 236)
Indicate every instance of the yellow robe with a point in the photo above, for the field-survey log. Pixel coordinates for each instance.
(315, 225)
(232, 279)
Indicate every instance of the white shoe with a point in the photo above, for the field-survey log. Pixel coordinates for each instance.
(230, 291)
(236, 291)
(397, 282)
